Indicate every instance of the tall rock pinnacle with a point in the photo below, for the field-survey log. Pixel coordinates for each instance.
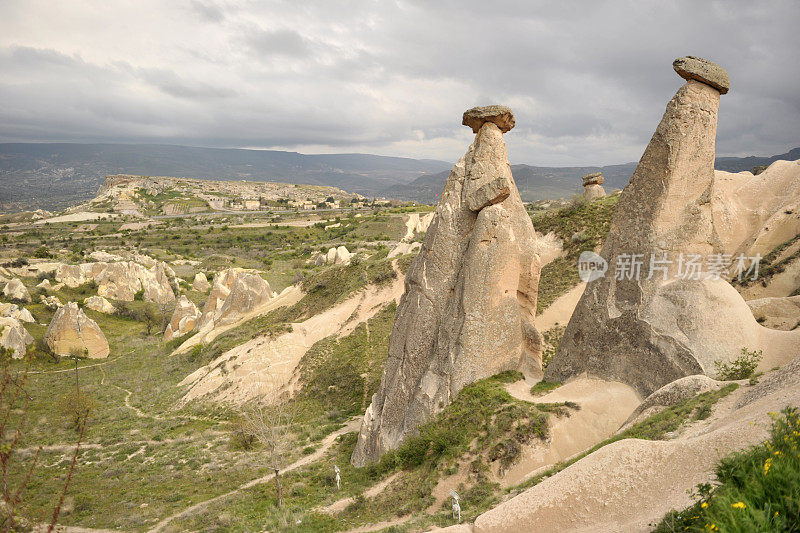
(470, 299)
(649, 324)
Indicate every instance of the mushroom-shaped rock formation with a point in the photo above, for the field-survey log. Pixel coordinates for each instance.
(14, 336)
(703, 70)
(470, 295)
(16, 290)
(71, 330)
(593, 186)
(184, 319)
(651, 324)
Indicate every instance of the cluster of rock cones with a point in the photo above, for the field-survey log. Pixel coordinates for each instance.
(469, 306)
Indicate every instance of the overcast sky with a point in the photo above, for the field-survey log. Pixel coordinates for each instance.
(588, 83)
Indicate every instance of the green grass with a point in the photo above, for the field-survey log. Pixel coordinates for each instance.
(757, 489)
(581, 226)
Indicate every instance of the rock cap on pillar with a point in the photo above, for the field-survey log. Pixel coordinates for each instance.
(595, 178)
(500, 115)
(703, 70)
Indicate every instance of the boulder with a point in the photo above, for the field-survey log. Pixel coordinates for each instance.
(321, 259)
(200, 282)
(184, 319)
(16, 290)
(470, 296)
(343, 256)
(99, 304)
(51, 302)
(14, 336)
(649, 330)
(70, 330)
(595, 178)
(500, 115)
(44, 285)
(330, 258)
(703, 70)
(17, 312)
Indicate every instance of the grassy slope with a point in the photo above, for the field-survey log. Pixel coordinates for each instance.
(581, 226)
(757, 489)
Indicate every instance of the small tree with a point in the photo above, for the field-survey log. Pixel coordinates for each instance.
(150, 317)
(270, 421)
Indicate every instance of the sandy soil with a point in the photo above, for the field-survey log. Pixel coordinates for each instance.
(560, 311)
(255, 368)
(604, 407)
(340, 505)
(76, 217)
(630, 483)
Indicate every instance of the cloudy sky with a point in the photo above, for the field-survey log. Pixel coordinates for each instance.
(588, 81)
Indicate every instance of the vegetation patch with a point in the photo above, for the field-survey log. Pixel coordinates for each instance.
(756, 489)
(581, 226)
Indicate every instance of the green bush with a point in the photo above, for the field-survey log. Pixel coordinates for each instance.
(77, 407)
(743, 367)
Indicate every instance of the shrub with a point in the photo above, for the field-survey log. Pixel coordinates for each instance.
(743, 367)
(241, 436)
(42, 253)
(77, 407)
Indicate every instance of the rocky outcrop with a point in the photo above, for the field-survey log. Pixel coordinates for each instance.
(671, 394)
(416, 224)
(754, 214)
(651, 327)
(16, 290)
(14, 336)
(15, 311)
(71, 331)
(51, 302)
(233, 293)
(184, 319)
(200, 282)
(335, 256)
(99, 304)
(121, 280)
(593, 186)
(470, 298)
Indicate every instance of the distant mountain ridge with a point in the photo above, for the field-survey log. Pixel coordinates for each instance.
(57, 175)
(542, 183)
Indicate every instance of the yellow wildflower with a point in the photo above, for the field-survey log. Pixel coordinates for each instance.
(704, 505)
(739, 505)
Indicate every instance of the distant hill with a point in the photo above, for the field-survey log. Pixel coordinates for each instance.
(541, 183)
(56, 175)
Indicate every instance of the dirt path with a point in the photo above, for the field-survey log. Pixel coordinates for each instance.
(100, 364)
(560, 311)
(326, 443)
(340, 505)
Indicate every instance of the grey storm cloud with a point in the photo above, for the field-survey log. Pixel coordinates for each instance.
(588, 80)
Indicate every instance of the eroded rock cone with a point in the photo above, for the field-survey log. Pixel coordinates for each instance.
(650, 332)
(71, 330)
(184, 319)
(470, 300)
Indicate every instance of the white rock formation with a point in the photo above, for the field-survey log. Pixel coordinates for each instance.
(184, 319)
(14, 336)
(99, 304)
(233, 293)
(200, 282)
(71, 330)
(645, 330)
(15, 311)
(417, 224)
(470, 299)
(121, 280)
(16, 290)
(51, 302)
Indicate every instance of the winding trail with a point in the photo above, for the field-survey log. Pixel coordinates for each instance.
(326, 443)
